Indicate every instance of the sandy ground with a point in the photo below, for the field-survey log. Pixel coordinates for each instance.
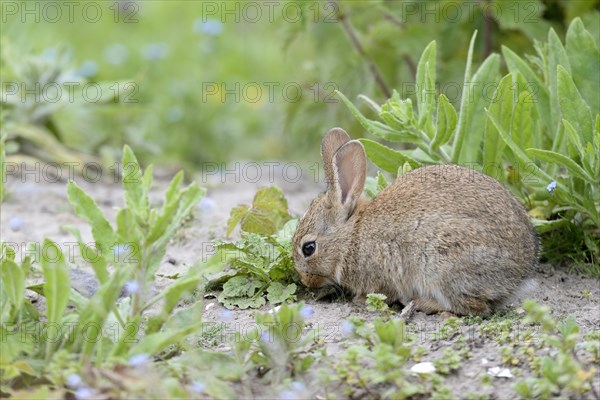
(36, 209)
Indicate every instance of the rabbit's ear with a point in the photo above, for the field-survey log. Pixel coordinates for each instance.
(350, 169)
(334, 139)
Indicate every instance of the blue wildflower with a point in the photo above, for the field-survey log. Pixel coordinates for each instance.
(15, 223)
(139, 359)
(307, 311)
(212, 27)
(155, 51)
(551, 186)
(116, 54)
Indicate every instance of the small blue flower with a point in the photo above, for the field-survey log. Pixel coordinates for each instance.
(207, 204)
(174, 114)
(226, 315)
(298, 386)
(132, 287)
(139, 359)
(122, 252)
(155, 51)
(50, 53)
(551, 186)
(307, 311)
(116, 54)
(198, 387)
(266, 337)
(87, 69)
(347, 327)
(15, 223)
(84, 393)
(288, 395)
(74, 381)
(212, 27)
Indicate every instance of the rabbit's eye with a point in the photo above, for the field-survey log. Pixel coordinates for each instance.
(309, 248)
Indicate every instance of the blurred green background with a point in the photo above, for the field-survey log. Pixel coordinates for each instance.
(188, 82)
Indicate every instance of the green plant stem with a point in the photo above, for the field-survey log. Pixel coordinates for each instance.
(352, 36)
(118, 316)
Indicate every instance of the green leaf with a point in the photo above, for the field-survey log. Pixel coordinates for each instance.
(562, 161)
(268, 214)
(470, 125)
(520, 154)
(557, 55)
(91, 255)
(472, 118)
(136, 197)
(584, 57)
(2, 168)
(155, 342)
(574, 138)
(446, 122)
(171, 223)
(502, 108)
(465, 105)
(516, 64)
(278, 293)
(523, 121)
(426, 92)
(574, 108)
(57, 284)
(235, 216)
(385, 158)
(13, 283)
(88, 210)
(377, 128)
(243, 291)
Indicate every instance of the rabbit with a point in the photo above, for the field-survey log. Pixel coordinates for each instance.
(446, 237)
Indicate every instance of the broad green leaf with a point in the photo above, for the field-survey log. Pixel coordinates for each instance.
(56, 285)
(563, 161)
(465, 105)
(272, 199)
(91, 255)
(426, 92)
(235, 216)
(86, 208)
(128, 229)
(136, 197)
(13, 283)
(446, 122)
(574, 108)
(518, 152)
(470, 125)
(584, 57)
(522, 129)
(375, 127)
(189, 197)
(542, 226)
(155, 342)
(501, 107)
(258, 221)
(2, 168)
(574, 138)
(97, 309)
(517, 64)
(473, 122)
(557, 55)
(279, 293)
(385, 158)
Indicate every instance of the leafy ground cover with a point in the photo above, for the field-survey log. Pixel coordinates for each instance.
(343, 350)
(159, 301)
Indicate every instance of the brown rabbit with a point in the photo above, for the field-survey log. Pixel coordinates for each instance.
(448, 237)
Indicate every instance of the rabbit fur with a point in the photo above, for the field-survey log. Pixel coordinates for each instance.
(446, 237)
